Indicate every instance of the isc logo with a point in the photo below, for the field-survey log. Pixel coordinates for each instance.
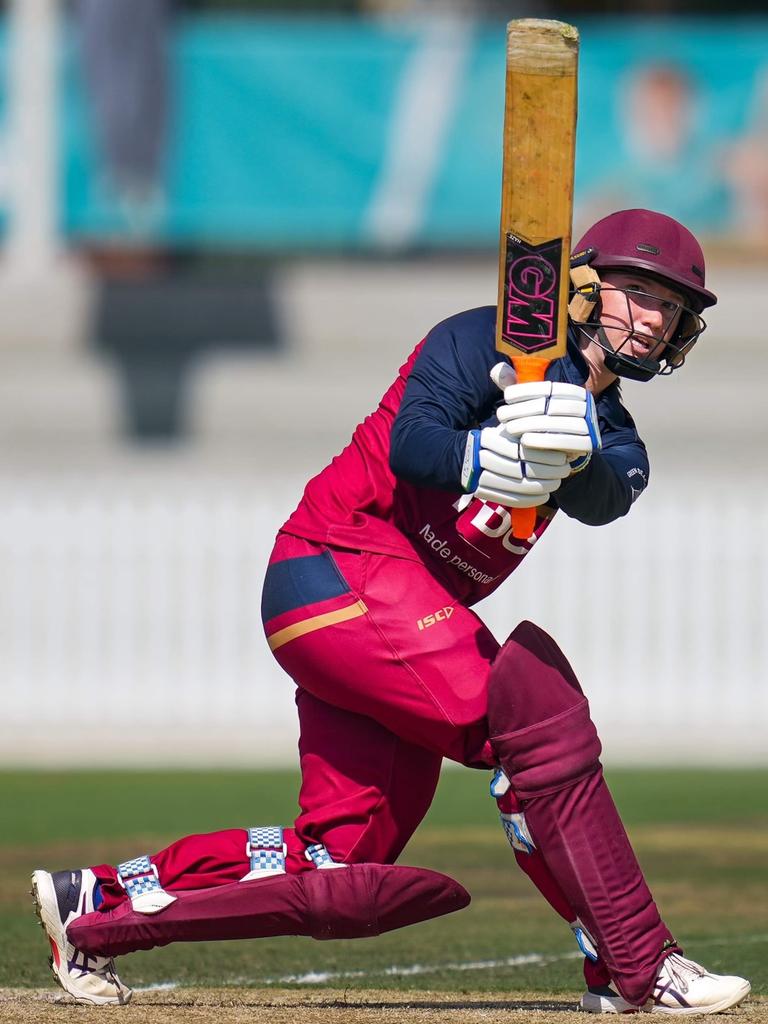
(439, 616)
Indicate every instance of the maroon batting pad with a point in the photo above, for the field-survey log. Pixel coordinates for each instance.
(340, 903)
(549, 749)
(583, 841)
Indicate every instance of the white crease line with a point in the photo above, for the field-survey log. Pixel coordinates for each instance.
(320, 977)
(404, 971)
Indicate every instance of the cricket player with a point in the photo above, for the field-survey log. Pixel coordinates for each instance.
(367, 606)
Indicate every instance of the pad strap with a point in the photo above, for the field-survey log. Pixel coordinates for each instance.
(499, 784)
(586, 943)
(266, 852)
(513, 822)
(141, 882)
(320, 857)
(516, 830)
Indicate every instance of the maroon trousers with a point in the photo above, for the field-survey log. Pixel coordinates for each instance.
(392, 676)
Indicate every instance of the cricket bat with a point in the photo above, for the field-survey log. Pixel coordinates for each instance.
(536, 202)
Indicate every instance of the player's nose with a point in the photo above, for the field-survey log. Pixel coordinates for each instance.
(651, 320)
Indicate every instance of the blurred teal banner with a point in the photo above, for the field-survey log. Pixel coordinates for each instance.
(386, 135)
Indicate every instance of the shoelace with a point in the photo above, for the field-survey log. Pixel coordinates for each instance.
(678, 967)
(111, 971)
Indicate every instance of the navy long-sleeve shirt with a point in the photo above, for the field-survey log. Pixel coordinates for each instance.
(396, 488)
(449, 392)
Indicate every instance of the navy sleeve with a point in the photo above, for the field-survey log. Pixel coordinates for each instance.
(615, 476)
(448, 393)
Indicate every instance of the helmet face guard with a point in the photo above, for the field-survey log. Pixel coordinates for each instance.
(685, 325)
(652, 246)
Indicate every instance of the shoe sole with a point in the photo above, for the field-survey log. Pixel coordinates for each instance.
(593, 1003)
(43, 897)
(680, 1011)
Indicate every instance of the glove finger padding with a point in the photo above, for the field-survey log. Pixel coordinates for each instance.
(546, 424)
(568, 444)
(494, 439)
(568, 422)
(542, 389)
(529, 468)
(499, 469)
(555, 406)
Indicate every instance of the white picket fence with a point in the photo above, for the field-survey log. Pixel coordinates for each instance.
(130, 629)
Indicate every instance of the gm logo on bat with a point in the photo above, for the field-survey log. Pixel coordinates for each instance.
(531, 287)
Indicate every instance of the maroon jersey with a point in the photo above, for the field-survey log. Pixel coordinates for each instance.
(357, 502)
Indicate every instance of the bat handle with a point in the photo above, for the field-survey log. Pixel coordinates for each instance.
(528, 369)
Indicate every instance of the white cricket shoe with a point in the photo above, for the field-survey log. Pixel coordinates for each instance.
(60, 898)
(682, 987)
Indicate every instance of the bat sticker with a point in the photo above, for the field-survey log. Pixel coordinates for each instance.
(531, 292)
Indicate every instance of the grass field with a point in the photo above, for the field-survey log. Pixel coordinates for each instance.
(702, 838)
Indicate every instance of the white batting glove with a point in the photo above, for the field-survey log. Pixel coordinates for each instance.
(551, 416)
(505, 471)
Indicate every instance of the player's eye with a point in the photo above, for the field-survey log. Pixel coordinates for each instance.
(639, 288)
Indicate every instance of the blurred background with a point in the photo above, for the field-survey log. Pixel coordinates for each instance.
(224, 227)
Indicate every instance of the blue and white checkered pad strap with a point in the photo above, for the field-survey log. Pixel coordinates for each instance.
(141, 882)
(266, 852)
(320, 857)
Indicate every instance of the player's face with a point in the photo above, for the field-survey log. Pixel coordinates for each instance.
(639, 315)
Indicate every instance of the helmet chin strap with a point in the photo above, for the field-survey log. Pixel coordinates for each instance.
(617, 363)
(626, 366)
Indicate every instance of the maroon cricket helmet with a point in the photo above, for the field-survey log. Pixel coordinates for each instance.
(654, 244)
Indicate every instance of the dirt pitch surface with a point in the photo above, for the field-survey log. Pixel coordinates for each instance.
(329, 1006)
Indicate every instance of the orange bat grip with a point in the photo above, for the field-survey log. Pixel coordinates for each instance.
(528, 370)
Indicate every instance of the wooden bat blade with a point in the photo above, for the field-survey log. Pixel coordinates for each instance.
(536, 201)
(537, 187)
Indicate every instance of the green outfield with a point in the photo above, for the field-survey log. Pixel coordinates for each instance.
(702, 838)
